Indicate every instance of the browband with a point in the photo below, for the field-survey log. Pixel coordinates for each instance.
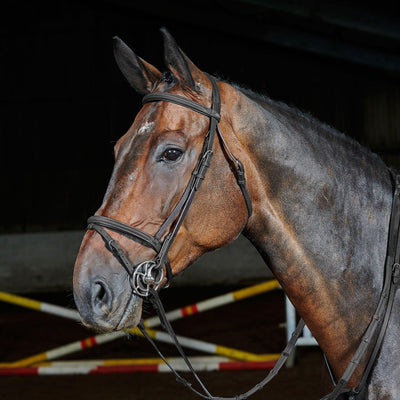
(182, 101)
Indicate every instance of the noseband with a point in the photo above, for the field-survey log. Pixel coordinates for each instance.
(149, 274)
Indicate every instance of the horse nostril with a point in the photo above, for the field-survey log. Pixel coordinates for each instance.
(101, 294)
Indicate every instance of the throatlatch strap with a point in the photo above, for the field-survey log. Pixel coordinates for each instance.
(240, 175)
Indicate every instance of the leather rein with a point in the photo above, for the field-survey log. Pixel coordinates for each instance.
(146, 277)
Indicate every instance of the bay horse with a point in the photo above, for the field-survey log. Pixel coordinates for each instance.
(316, 206)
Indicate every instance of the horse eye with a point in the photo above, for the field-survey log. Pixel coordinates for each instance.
(172, 155)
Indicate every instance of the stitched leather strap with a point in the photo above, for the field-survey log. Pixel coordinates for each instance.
(126, 230)
(182, 101)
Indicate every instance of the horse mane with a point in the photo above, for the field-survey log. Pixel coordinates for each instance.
(307, 122)
(290, 111)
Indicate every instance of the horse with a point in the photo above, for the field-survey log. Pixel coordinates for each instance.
(319, 215)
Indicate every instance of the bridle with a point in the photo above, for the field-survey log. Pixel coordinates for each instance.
(149, 274)
(146, 277)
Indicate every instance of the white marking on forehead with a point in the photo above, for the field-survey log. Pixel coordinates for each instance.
(145, 128)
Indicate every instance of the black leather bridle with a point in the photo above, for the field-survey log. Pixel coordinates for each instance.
(150, 273)
(146, 277)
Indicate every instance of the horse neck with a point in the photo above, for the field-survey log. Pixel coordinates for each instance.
(321, 215)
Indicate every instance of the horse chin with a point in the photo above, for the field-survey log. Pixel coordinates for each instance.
(131, 315)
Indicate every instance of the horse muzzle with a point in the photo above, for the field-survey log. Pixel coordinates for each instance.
(105, 301)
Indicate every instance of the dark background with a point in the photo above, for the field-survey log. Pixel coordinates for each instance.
(63, 102)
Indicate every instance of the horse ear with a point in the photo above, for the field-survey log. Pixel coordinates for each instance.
(141, 75)
(178, 62)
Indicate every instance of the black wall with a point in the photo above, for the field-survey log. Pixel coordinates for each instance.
(63, 102)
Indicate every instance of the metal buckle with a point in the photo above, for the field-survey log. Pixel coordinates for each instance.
(146, 275)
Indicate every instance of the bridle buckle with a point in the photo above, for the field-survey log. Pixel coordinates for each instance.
(147, 275)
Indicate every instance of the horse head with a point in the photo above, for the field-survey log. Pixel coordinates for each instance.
(154, 162)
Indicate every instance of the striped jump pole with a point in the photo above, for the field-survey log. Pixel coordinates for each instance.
(62, 351)
(160, 336)
(173, 315)
(89, 367)
(40, 306)
(150, 322)
(215, 302)
(207, 347)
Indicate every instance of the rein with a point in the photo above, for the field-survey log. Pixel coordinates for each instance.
(146, 277)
